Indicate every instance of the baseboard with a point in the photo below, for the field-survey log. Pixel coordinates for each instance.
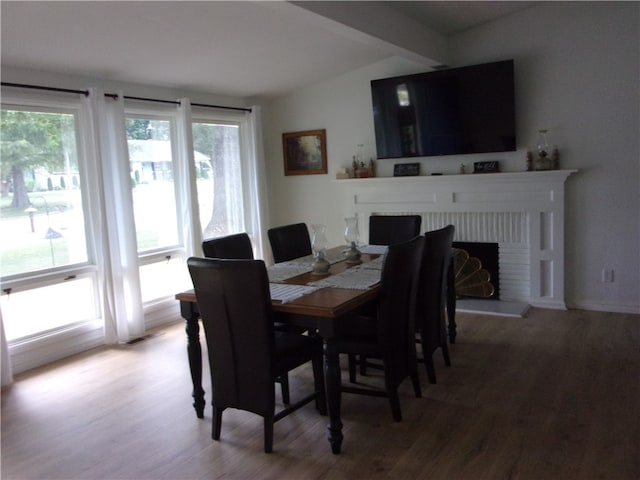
(605, 307)
(492, 307)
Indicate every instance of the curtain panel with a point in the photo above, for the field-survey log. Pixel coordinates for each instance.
(114, 225)
(186, 179)
(257, 184)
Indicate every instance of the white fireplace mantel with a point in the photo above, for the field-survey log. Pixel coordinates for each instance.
(523, 212)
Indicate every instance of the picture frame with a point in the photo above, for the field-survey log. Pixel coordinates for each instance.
(305, 153)
(406, 169)
(486, 167)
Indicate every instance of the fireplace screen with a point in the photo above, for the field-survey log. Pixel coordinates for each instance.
(476, 270)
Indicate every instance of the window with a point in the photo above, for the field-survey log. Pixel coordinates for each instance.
(73, 274)
(151, 160)
(154, 198)
(217, 155)
(44, 249)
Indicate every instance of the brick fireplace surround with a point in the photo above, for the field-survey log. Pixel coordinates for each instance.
(523, 212)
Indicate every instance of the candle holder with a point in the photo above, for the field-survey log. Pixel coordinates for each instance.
(320, 265)
(543, 162)
(351, 235)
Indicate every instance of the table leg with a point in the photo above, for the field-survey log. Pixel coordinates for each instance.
(190, 313)
(451, 301)
(333, 392)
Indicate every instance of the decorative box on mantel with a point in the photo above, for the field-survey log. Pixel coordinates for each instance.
(523, 212)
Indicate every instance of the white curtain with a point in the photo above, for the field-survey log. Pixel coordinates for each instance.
(112, 217)
(257, 184)
(186, 179)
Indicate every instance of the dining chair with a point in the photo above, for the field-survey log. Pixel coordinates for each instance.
(237, 245)
(246, 355)
(387, 230)
(289, 242)
(390, 335)
(390, 229)
(432, 298)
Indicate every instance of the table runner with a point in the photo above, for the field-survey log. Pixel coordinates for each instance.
(359, 277)
(282, 271)
(286, 292)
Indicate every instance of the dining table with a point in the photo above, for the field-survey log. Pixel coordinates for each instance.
(304, 299)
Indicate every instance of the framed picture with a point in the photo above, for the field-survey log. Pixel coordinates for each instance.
(305, 153)
(406, 169)
(486, 167)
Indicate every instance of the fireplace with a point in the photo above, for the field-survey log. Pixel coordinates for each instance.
(523, 213)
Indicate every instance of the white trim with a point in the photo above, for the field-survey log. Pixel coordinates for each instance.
(605, 307)
(54, 346)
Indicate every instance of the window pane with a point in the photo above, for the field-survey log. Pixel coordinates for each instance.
(29, 312)
(41, 217)
(164, 278)
(218, 167)
(154, 199)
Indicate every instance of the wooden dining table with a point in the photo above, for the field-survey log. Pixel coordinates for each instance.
(320, 310)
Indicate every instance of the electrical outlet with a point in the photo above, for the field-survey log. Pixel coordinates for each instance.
(607, 275)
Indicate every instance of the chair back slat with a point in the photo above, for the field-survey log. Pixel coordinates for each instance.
(289, 242)
(390, 229)
(232, 246)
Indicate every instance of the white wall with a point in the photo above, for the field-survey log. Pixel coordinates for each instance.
(577, 74)
(342, 106)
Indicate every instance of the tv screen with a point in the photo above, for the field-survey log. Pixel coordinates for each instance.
(445, 112)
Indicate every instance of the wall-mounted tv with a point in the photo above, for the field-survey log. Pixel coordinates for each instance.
(446, 112)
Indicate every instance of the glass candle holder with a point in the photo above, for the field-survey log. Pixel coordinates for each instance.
(352, 235)
(320, 265)
(544, 155)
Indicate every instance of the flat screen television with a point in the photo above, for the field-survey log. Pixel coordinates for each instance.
(446, 112)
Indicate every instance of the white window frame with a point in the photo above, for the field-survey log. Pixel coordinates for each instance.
(42, 347)
(232, 118)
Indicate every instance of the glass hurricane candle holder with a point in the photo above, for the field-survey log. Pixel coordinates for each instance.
(351, 235)
(320, 265)
(543, 162)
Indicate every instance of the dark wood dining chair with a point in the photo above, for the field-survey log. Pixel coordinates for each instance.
(432, 297)
(246, 354)
(390, 335)
(390, 229)
(387, 230)
(289, 242)
(237, 245)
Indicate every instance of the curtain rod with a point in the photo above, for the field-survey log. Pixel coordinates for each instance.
(50, 89)
(115, 96)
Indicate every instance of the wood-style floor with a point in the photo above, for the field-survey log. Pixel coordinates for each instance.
(555, 395)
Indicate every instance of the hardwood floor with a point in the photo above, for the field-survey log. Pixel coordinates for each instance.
(555, 395)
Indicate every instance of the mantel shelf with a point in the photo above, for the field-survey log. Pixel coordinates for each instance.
(499, 177)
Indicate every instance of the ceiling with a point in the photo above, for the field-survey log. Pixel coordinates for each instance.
(237, 48)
